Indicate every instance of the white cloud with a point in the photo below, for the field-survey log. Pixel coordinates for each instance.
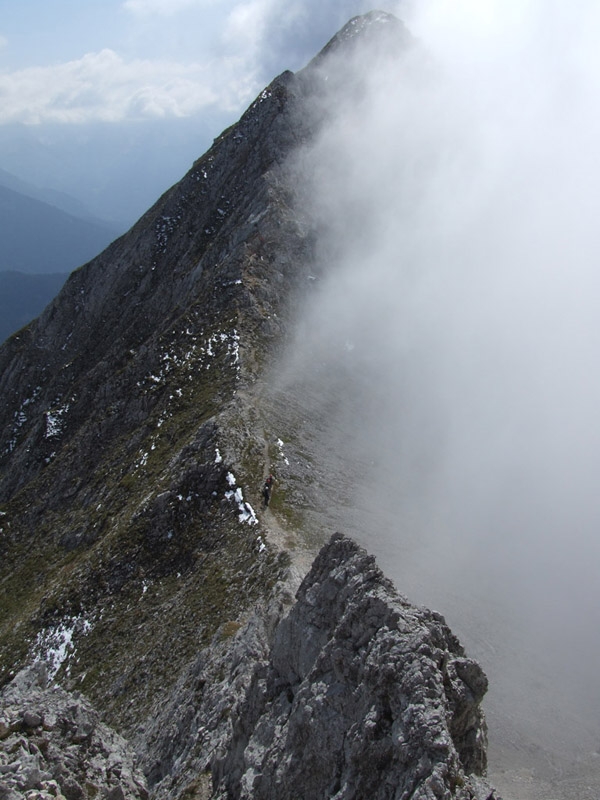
(271, 37)
(457, 203)
(167, 8)
(248, 23)
(233, 47)
(105, 87)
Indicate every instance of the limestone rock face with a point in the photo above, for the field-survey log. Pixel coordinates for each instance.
(345, 691)
(362, 695)
(351, 692)
(53, 746)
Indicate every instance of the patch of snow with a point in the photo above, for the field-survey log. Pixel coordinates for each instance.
(20, 419)
(218, 456)
(55, 421)
(55, 645)
(281, 453)
(245, 511)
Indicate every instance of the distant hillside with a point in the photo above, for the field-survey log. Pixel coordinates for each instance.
(23, 297)
(53, 197)
(36, 237)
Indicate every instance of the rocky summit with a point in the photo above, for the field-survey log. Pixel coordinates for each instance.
(156, 635)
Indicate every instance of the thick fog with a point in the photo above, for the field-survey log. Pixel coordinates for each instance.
(457, 200)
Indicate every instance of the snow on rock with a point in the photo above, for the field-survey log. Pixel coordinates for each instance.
(246, 512)
(181, 358)
(281, 453)
(55, 645)
(230, 340)
(55, 420)
(20, 418)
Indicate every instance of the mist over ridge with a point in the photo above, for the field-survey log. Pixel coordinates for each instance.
(407, 243)
(456, 330)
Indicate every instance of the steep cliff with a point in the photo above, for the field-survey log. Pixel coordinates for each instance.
(362, 695)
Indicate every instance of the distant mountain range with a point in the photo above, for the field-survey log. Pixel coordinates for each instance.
(36, 237)
(44, 235)
(51, 196)
(23, 297)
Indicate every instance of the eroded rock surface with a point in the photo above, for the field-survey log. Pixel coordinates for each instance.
(53, 746)
(363, 695)
(351, 693)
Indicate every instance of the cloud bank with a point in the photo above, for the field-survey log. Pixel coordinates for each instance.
(145, 8)
(182, 58)
(456, 201)
(104, 87)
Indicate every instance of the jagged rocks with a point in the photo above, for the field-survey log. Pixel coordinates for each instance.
(353, 693)
(54, 747)
(362, 695)
(347, 692)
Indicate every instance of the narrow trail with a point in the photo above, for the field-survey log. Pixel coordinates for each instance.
(279, 537)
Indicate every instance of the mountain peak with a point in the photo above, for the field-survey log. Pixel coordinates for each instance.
(374, 27)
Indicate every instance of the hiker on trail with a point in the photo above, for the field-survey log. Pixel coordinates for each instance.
(267, 488)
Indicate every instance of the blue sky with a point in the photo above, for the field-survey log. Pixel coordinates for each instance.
(112, 100)
(72, 61)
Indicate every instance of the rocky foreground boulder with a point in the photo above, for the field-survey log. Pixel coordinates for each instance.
(53, 746)
(351, 693)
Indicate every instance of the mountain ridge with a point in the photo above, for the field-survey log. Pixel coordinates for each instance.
(137, 562)
(60, 200)
(61, 243)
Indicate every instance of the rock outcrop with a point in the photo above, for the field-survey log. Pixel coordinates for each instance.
(53, 746)
(350, 692)
(363, 695)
